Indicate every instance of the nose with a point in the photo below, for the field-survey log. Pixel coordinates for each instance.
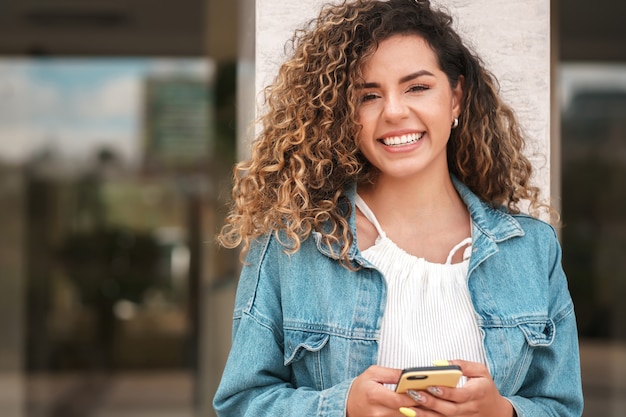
(395, 107)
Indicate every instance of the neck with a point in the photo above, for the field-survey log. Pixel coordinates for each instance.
(421, 197)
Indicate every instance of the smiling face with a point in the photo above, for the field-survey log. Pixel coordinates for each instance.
(407, 108)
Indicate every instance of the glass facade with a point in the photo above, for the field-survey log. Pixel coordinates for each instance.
(109, 175)
(593, 130)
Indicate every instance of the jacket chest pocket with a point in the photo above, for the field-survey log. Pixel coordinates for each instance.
(305, 353)
(320, 359)
(510, 348)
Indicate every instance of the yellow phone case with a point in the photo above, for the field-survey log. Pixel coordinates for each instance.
(419, 379)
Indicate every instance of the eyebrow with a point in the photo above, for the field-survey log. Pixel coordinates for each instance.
(402, 80)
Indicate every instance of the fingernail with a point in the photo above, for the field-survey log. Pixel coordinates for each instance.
(434, 390)
(408, 412)
(415, 395)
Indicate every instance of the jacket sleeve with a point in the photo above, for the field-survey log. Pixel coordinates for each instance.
(553, 384)
(256, 382)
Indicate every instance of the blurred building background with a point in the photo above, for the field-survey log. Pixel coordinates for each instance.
(117, 137)
(590, 81)
(118, 130)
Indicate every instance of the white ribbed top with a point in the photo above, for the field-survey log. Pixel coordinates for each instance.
(429, 313)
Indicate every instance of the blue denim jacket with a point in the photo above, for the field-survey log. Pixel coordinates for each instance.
(305, 327)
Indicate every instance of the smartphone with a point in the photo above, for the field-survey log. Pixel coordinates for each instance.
(419, 379)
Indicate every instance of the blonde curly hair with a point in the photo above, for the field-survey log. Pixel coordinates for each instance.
(307, 151)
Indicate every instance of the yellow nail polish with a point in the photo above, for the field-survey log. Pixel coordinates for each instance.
(441, 362)
(408, 412)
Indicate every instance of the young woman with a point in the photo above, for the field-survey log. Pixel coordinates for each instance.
(380, 218)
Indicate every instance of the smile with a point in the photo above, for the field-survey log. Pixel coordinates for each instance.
(402, 140)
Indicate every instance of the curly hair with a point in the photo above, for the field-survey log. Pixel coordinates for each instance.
(307, 150)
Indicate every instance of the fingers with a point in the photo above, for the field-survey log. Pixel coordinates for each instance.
(459, 401)
(382, 375)
(443, 401)
(369, 397)
(408, 411)
(479, 396)
(471, 369)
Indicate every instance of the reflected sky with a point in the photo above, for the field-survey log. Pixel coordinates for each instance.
(74, 107)
(575, 77)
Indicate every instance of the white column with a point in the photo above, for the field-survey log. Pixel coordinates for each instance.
(512, 37)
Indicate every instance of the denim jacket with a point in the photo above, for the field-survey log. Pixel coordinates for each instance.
(304, 326)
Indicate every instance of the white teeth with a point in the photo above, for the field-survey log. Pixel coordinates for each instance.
(402, 140)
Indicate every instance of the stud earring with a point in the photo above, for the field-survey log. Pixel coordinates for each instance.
(455, 123)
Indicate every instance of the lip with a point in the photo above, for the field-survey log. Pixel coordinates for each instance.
(400, 133)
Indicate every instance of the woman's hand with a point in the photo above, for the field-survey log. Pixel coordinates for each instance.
(368, 397)
(479, 397)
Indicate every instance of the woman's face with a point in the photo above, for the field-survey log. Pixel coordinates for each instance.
(407, 108)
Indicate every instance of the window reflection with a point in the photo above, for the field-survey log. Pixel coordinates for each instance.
(594, 236)
(107, 169)
(69, 109)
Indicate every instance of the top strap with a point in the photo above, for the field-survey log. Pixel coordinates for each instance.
(369, 215)
(466, 253)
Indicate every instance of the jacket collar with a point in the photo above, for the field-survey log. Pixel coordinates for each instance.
(497, 224)
(493, 224)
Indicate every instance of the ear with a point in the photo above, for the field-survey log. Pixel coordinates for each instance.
(457, 96)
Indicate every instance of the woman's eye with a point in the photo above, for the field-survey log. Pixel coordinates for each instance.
(417, 88)
(368, 97)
